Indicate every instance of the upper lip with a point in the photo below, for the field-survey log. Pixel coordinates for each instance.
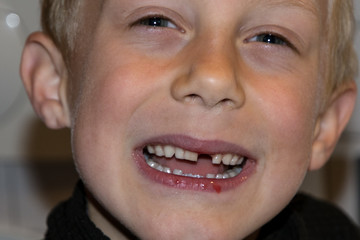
(209, 147)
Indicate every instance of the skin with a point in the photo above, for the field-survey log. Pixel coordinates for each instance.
(207, 78)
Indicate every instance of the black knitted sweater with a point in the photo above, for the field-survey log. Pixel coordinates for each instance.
(303, 219)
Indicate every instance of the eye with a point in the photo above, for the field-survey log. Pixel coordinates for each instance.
(269, 38)
(156, 21)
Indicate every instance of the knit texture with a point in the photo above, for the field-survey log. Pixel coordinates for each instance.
(305, 218)
(69, 220)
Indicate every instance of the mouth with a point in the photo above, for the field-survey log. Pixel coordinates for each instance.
(178, 161)
(186, 163)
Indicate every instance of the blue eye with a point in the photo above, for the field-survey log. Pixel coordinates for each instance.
(269, 39)
(157, 22)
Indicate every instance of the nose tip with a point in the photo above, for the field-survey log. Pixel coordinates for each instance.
(211, 81)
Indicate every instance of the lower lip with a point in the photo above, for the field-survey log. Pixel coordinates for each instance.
(195, 184)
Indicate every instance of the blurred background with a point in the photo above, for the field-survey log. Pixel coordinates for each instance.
(36, 171)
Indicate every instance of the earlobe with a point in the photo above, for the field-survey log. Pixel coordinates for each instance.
(331, 124)
(44, 75)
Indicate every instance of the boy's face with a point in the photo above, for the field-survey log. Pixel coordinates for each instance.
(239, 78)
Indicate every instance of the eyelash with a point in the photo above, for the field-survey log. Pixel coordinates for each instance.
(156, 18)
(279, 40)
(146, 21)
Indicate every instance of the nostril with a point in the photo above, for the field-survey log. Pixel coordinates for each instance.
(227, 102)
(193, 98)
(197, 99)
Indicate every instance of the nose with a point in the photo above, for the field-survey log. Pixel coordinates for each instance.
(211, 78)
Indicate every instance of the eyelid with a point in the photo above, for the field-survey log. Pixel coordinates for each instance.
(293, 40)
(153, 11)
(282, 38)
(138, 22)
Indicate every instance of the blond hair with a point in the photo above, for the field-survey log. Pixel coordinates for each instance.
(342, 65)
(60, 20)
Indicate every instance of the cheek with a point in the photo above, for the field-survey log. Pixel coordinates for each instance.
(289, 112)
(113, 92)
(101, 135)
(287, 148)
(289, 103)
(292, 118)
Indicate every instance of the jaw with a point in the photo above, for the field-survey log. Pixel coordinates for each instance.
(193, 218)
(154, 204)
(193, 207)
(184, 215)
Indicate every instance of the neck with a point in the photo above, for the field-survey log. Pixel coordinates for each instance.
(105, 222)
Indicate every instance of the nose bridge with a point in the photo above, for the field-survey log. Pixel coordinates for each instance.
(214, 65)
(212, 75)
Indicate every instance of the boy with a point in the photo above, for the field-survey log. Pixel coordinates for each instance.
(195, 119)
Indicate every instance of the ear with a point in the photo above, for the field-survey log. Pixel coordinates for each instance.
(44, 75)
(331, 124)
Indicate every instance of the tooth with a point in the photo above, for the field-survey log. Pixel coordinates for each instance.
(179, 153)
(240, 161)
(219, 176)
(192, 175)
(169, 151)
(231, 173)
(226, 175)
(237, 170)
(167, 170)
(152, 164)
(177, 172)
(209, 175)
(216, 159)
(159, 168)
(151, 149)
(159, 151)
(234, 160)
(226, 159)
(191, 156)
(147, 157)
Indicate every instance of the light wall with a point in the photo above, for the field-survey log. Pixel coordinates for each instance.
(36, 170)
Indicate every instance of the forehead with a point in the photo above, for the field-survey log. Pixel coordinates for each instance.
(318, 8)
(310, 5)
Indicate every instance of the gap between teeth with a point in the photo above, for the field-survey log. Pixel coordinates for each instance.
(230, 173)
(179, 153)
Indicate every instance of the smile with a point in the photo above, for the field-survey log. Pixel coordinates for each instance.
(186, 163)
(232, 163)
